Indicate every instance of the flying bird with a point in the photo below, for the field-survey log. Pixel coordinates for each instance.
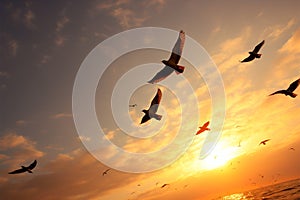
(25, 169)
(292, 148)
(264, 142)
(164, 185)
(105, 172)
(254, 54)
(171, 64)
(132, 105)
(290, 90)
(151, 112)
(203, 128)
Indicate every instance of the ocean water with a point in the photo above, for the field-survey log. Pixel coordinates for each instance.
(289, 190)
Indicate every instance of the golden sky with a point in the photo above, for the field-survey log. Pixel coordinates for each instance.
(43, 47)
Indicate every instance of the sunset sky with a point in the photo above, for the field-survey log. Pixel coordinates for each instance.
(43, 45)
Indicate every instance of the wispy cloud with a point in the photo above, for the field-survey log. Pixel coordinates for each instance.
(13, 47)
(61, 23)
(4, 74)
(78, 170)
(24, 149)
(291, 45)
(231, 51)
(29, 18)
(61, 115)
(274, 32)
(21, 122)
(125, 13)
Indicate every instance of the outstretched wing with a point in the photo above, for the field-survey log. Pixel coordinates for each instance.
(177, 49)
(145, 118)
(18, 171)
(249, 58)
(278, 92)
(32, 165)
(161, 75)
(294, 85)
(257, 48)
(155, 101)
(205, 125)
(157, 98)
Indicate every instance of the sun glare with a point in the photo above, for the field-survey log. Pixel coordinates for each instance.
(218, 158)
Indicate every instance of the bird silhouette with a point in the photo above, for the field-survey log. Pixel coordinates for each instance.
(290, 90)
(164, 185)
(203, 128)
(292, 148)
(132, 105)
(25, 169)
(171, 64)
(105, 172)
(264, 142)
(151, 112)
(254, 54)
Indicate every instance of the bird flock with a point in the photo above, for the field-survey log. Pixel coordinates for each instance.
(171, 65)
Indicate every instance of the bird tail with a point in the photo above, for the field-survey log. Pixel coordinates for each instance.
(157, 117)
(293, 95)
(179, 69)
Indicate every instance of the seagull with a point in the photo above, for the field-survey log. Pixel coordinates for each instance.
(132, 105)
(203, 128)
(264, 142)
(25, 169)
(151, 112)
(290, 90)
(164, 185)
(105, 172)
(172, 64)
(254, 54)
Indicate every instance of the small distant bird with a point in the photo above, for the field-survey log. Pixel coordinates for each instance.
(292, 148)
(290, 90)
(132, 105)
(172, 63)
(239, 143)
(264, 142)
(25, 169)
(262, 176)
(203, 128)
(151, 112)
(164, 185)
(254, 54)
(105, 172)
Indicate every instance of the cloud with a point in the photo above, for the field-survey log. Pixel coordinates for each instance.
(17, 148)
(291, 45)
(45, 59)
(126, 17)
(61, 23)
(21, 122)
(29, 17)
(125, 13)
(286, 62)
(231, 51)
(61, 115)
(13, 47)
(4, 74)
(274, 32)
(77, 170)
(59, 40)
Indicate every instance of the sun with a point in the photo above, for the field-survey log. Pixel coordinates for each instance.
(219, 157)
